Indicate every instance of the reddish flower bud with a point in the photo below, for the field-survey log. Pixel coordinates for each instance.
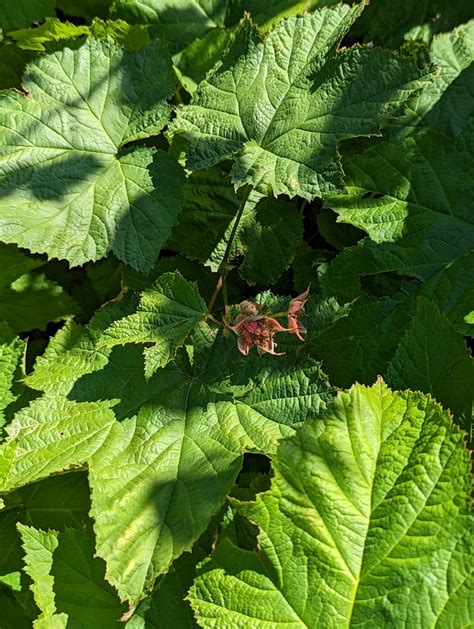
(295, 308)
(253, 329)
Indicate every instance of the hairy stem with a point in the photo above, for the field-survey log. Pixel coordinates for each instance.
(223, 268)
(215, 293)
(225, 298)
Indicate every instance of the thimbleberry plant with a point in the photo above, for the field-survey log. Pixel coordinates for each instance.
(236, 313)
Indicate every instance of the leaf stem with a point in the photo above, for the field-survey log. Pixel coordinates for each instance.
(223, 267)
(209, 316)
(215, 293)
(225, 298)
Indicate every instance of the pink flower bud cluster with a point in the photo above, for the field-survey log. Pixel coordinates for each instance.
(259, 330)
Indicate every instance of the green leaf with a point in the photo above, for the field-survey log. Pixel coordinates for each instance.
(445, 104)
(22, 13)
(358, 346)
(123, 379)
(280, 106)
(180, 22)
(168, 605)
(70, 507)
(12, 65)
(433, 358)
(166, 314)
(12, 580)
(452, 289)
(130, 36)
(168, 471)
(267, 236)
(52, 30)
(80, 589)
(407, 340)
(41, 37)
(11, 554)
(414, 208)
(411, 19)
(70, 354)
(39, 547)
(11, 354)
(195, 61)
(51, 435)
(29, 300)
(13, 615)
(87, 193)
(266, 13)
(157, 478)
(366, 522)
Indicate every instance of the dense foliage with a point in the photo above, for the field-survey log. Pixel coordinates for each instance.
(236, 313)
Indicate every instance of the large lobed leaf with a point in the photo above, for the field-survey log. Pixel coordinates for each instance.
(415, 209)
(159, 476)
(158, 482)
(432, 357)
(366, 523)
(167, 313)
(267, 236)
(417, 213)
(409, 341)
(68, 185)
(446, 103)
(279, 106)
